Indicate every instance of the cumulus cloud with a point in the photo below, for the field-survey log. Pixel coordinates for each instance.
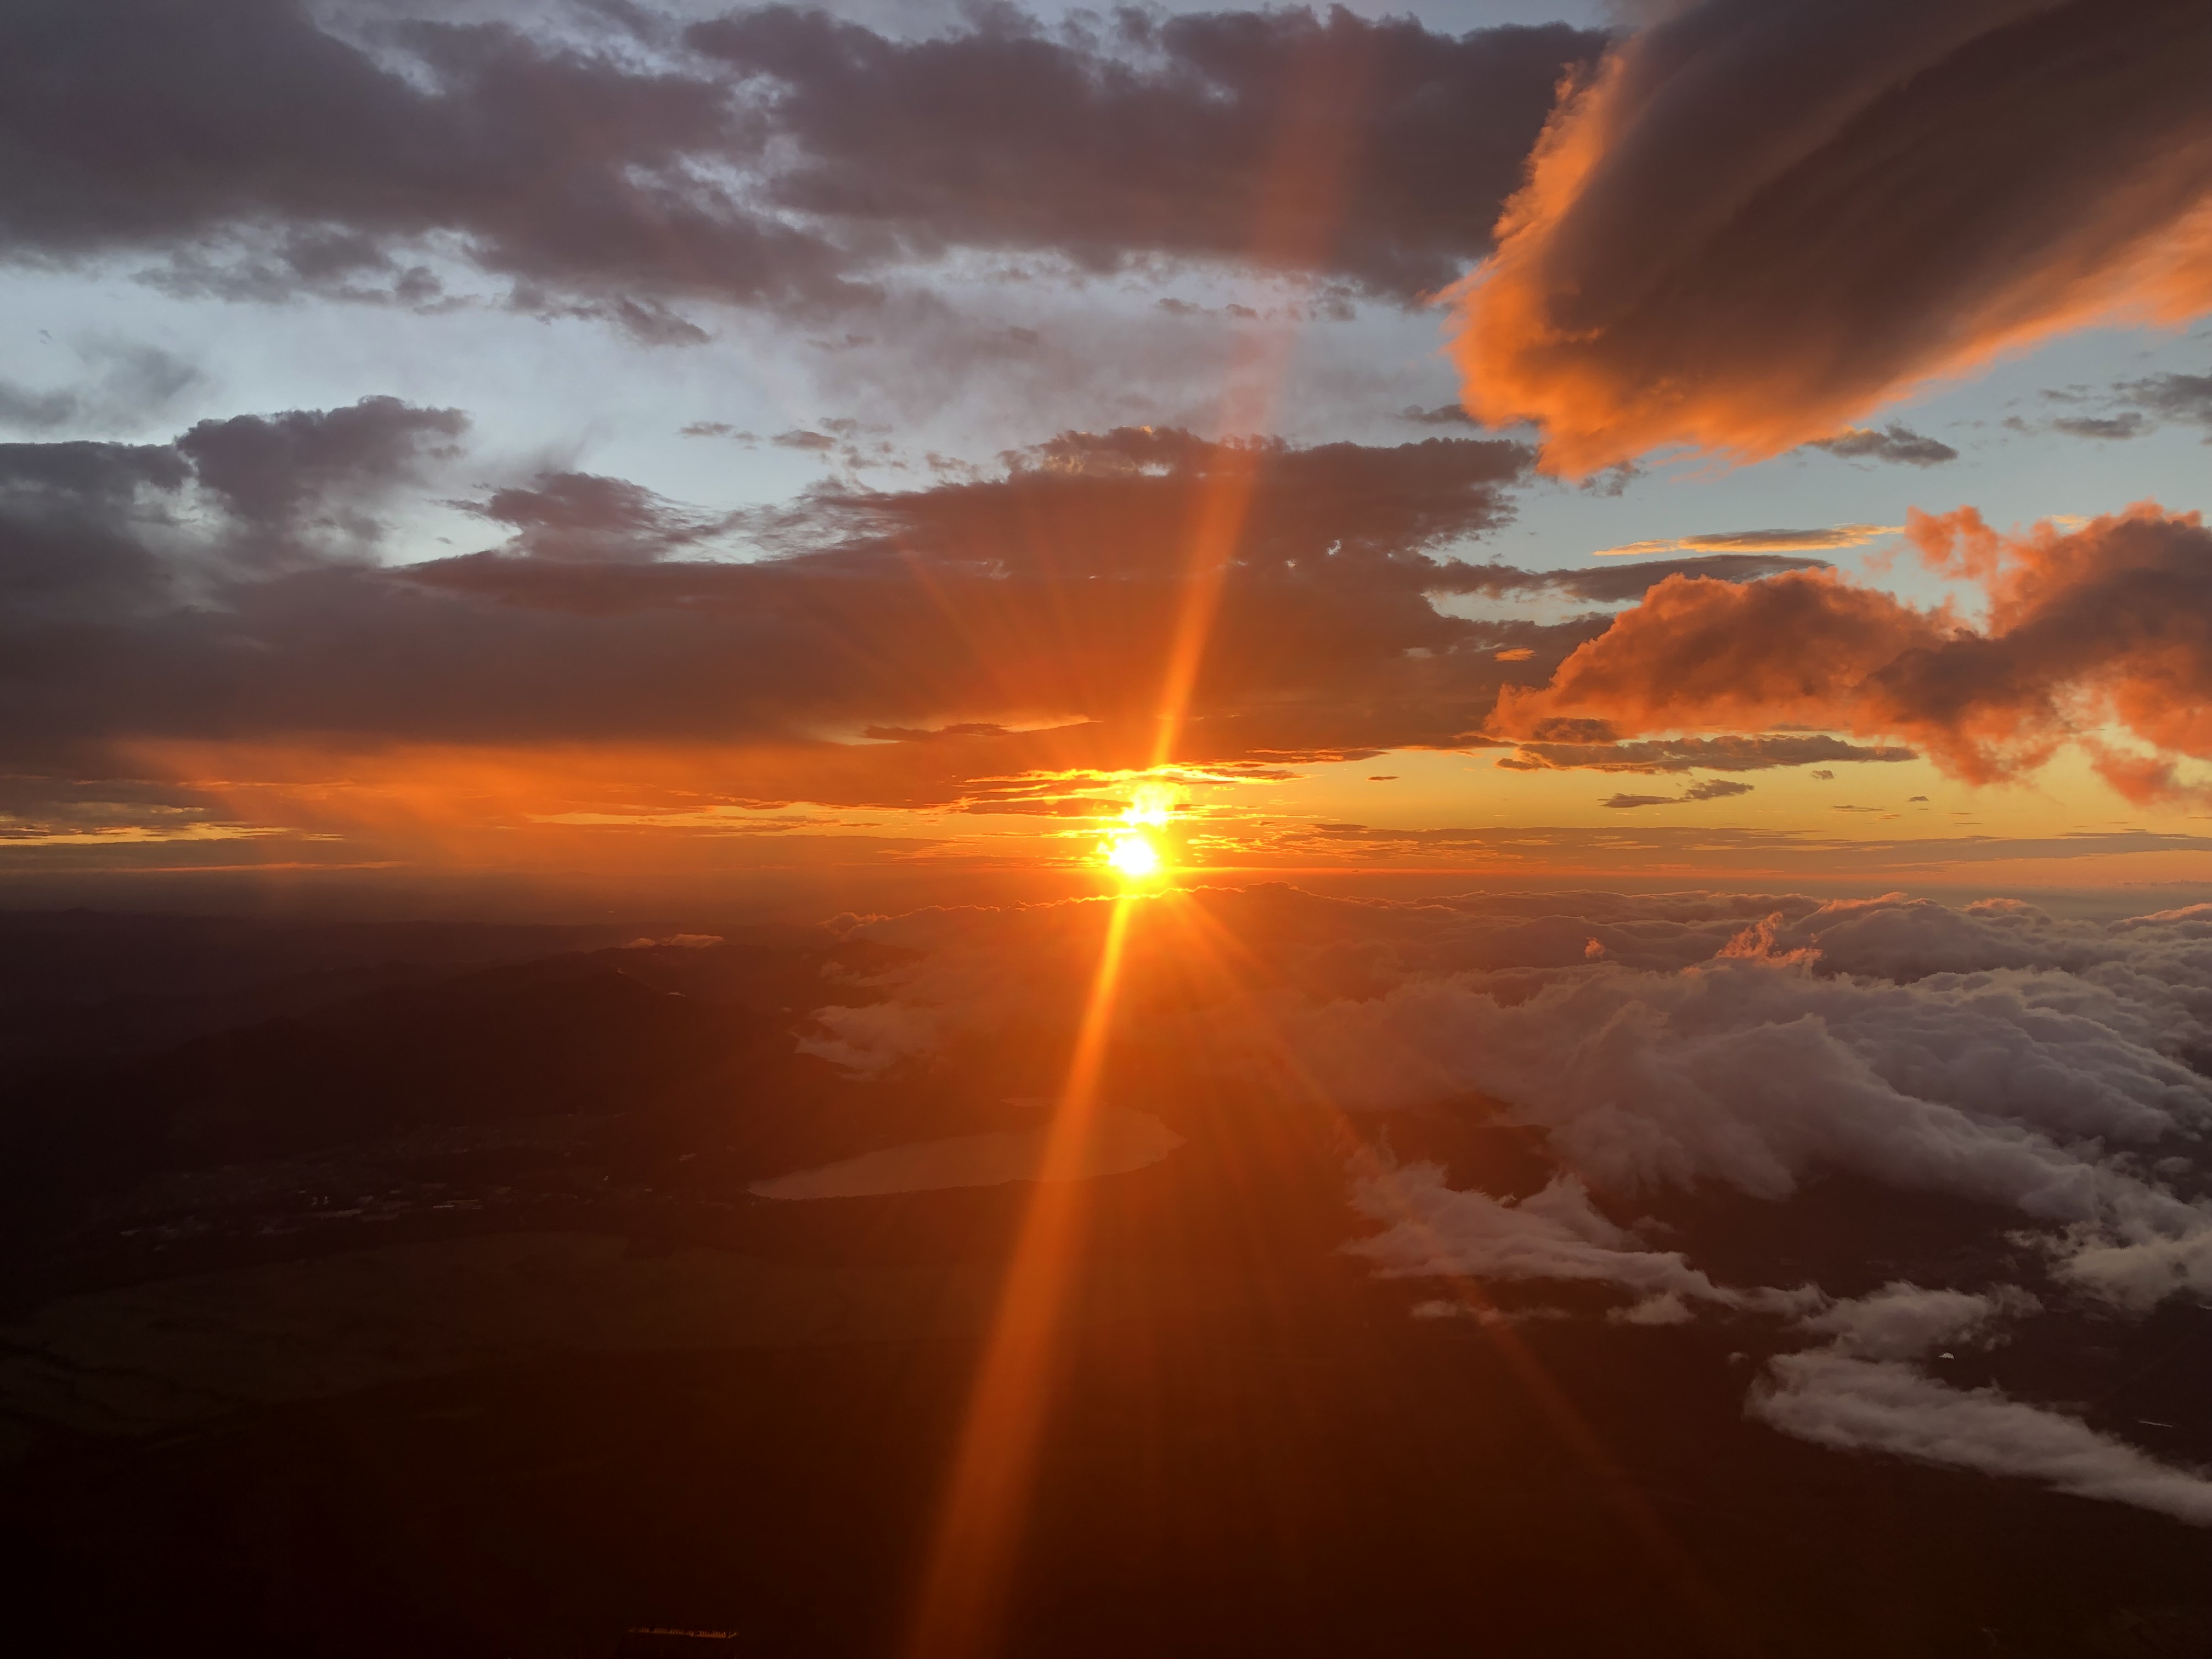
(1755, 222)
(2104, 625)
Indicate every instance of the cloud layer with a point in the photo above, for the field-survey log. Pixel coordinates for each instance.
(1691, 1071)
(170, 607)
(617, 162)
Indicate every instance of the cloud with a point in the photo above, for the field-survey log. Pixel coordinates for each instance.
(2121, 427)
(101, 536)
(1754, 223)
(2173, 397)
(1873, 1405)
(579, 517)
(232, 588)
(2106, 624)
(1759, 541)
(1704, 789)
(1434, 1230)
(1364, 149)
(1777, 1058)
(128, 384)
(1900, 444)
(1902, 1320)
(771, 157)
(281, 472)
(1728, 754)
(2135, 407)
(164, 605)
(1698, 1085)
(262, 155)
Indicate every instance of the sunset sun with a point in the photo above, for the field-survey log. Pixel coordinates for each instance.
(1133, 856)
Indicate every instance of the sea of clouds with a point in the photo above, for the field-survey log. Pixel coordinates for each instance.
(2041, 1073)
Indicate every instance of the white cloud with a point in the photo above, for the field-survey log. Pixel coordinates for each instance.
(1434, 1230)
(1904, 1321)
(1662, 1047)
(1885, 1405)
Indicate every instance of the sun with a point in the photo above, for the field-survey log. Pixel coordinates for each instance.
(1133, 857)
(1132, 848)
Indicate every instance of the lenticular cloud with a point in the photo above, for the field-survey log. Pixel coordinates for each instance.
(1756, 222)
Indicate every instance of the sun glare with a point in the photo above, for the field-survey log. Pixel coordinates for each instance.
(1133, 856)
(1132, 847)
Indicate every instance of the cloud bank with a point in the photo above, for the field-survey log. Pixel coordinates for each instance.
(1691, 1067)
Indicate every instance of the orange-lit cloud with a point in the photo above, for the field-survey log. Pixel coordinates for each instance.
(2087, 631)
(1754, 224)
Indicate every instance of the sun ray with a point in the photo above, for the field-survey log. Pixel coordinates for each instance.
(1297, 210)
(1208, 942)
(986, 1500)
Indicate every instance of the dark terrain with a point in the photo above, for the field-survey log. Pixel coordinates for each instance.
(401, 1293)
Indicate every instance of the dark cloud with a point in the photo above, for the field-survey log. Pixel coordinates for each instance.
(1900, 444)
(276, 471)
(1609, 584)
(1704, 789)
(2173, 397)
(771, 157)
(118, 537)
(1210, 135)
(2133, 408)
(125, 383)
(1725, 754)
(270, 156)
(219, 589)
(2131, 424)
(581, 517)
(1786, 213)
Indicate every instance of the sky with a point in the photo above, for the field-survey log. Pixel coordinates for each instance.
(559, 458)
(1635, 575)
